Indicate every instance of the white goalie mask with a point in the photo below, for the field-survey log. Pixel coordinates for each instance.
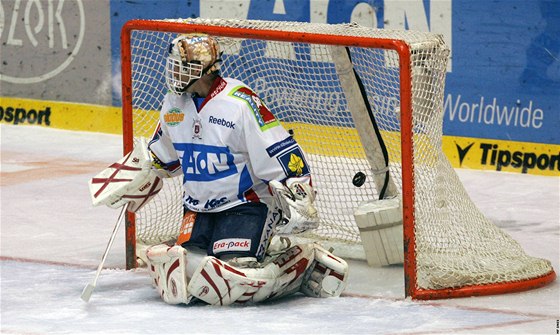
(191, 56)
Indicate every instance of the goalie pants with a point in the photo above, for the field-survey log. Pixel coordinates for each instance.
(240, 231)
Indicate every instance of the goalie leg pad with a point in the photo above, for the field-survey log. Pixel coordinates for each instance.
(168, 269)
(307, 268)
(327, 276)
(223, 283)
(288, 269)
(218, 283)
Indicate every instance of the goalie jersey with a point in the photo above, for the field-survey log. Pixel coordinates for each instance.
(228, 147)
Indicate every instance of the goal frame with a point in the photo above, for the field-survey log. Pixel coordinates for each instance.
(406, 119)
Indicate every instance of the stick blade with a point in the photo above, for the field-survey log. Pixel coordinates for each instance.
(87, 292)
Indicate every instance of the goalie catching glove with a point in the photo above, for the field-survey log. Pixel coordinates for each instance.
(131, 179)
(295, 200)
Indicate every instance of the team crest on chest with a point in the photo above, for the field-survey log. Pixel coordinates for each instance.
(197, 129)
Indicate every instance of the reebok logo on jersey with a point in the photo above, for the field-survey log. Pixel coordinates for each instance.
(221, 122)
(231, 244)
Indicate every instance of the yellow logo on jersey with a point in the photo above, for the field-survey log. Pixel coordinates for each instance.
(296, 164)
(174, 116)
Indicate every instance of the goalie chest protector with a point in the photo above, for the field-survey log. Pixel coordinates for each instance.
(227, 148)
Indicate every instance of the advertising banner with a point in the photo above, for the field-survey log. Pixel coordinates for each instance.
(503, 79)
(55, 50)
(502, 93)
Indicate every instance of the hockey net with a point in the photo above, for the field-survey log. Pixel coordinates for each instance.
(301, 71)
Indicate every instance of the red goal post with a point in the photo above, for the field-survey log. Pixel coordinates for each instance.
(298, 58)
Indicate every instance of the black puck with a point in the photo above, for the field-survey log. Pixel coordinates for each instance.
(359, 179)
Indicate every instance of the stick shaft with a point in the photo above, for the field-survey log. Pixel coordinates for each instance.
(88, 290)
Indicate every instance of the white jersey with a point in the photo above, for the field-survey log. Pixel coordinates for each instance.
(228, 150)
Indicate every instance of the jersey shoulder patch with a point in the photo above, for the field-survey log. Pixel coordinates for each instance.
(293, 162)
(263, 116)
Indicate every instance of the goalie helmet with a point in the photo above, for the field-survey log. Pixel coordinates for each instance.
(191, 56)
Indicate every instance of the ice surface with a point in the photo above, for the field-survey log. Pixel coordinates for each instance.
(52, 240)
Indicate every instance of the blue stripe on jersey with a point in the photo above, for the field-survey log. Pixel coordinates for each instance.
(278, 147)
(205, 162)
(245, 183)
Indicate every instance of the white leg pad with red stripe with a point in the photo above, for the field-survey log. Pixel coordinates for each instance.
(327, 276)
(309, 268)
(218, 283)
(168, 269)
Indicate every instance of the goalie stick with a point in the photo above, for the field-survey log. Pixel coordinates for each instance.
(383, 215)
(365, 122)
(88, 290)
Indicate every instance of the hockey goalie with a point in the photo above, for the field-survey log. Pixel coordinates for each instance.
(247, 189)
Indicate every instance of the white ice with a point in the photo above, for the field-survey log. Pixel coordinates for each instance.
(52, 240)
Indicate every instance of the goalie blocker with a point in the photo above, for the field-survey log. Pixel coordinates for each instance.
(306, 268)
(130, 180)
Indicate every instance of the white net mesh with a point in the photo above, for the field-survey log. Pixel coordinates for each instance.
(455, 244)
